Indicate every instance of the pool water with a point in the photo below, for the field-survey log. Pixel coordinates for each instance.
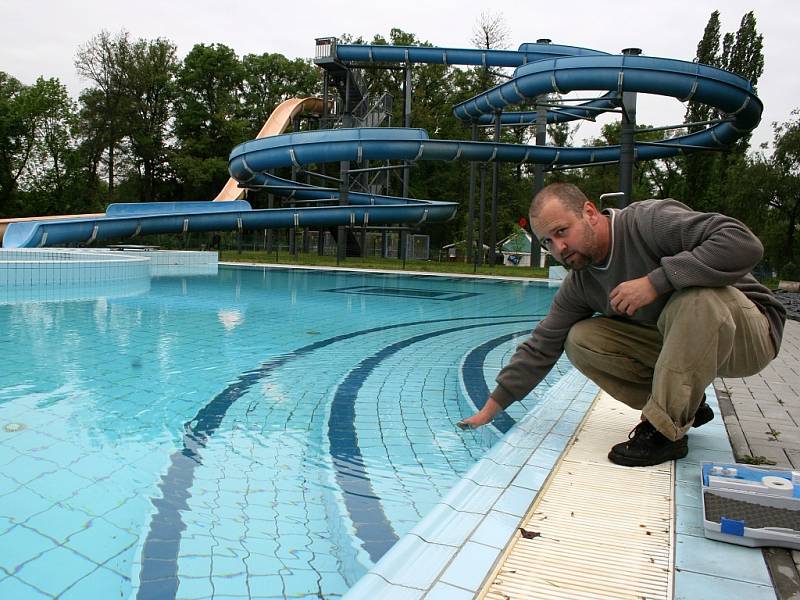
(261, 433)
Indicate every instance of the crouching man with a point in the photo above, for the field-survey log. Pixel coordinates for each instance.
(659, 301)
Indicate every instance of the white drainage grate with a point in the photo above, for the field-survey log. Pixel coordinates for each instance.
(598, 530)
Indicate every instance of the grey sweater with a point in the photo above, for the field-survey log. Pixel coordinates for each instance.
(676, 248)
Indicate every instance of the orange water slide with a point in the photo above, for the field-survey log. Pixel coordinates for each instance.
(277, 123)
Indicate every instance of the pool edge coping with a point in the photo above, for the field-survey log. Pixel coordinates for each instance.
(390, 272)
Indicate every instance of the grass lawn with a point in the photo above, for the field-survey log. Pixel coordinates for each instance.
(387, 264)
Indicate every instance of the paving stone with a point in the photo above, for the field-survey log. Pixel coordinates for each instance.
(770, 452)
(774, 412)
(794, 458)
(753, 426)
(737, 437)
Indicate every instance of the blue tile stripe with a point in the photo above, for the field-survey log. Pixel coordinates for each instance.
(158, 576)
(475, 382)
(363, 506)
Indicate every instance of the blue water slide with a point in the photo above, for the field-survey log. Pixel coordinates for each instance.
(527, 53)
(540, 69)
(732, 95)
(128, 223)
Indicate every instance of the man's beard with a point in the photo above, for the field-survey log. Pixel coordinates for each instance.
(580, 260)
(577, 261)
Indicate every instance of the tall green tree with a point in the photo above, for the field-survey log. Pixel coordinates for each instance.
(51, 171)
(698, 166)
(147, 71)
(35, 144)
(786, 164)
(765, 193)
(100, 62)
(741, 53)
(208, 118)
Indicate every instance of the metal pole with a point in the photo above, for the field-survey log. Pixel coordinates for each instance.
(292, 231)
(482, 214)
(495, 187)
(407, 123)
(538, 173)
(363, 240)
(627, 143)
(323, 125)
(305, 231)
(270, 233)
(347, 116)
(471, 205)
(407, 169)
(341, 230)
(324, 100)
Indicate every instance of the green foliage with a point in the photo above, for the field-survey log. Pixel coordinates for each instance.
(39, 163)
(208, 118)
(100, 61)
(148, 81)
(708, 172)
(790, 272)
(269, 79)
(764, 192)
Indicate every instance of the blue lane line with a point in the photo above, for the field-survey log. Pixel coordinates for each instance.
(475, 383)
(363, 505)
(158, 577)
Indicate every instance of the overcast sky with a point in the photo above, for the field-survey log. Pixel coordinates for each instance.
(40, 37)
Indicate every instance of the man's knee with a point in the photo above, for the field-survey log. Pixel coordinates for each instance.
(694, 298)
(580, 338)
(701, 305)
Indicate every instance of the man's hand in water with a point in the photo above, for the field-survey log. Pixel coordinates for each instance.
(482, 417)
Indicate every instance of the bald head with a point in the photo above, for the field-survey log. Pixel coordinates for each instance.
(569, 226)
(569, 195)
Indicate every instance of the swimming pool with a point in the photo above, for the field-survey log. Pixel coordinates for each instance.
(261, 433)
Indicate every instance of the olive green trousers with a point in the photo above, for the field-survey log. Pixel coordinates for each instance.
(663, 370)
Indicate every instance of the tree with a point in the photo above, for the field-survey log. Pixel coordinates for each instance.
(269, 79)
(697, 165)
(489, 33)
(706, 173)
(50, 172)
(786, 163)
(773, 182)
(147, 74)
(35, 143)
(18, 118)
(100, 61)
(742, 54)
(208, 119)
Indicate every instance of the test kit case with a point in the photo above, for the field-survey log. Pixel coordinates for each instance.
(750, 506)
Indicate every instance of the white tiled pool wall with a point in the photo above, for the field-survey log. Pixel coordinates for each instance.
(178, 257)
(27, 268)
(70, 267)
(181, 262)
